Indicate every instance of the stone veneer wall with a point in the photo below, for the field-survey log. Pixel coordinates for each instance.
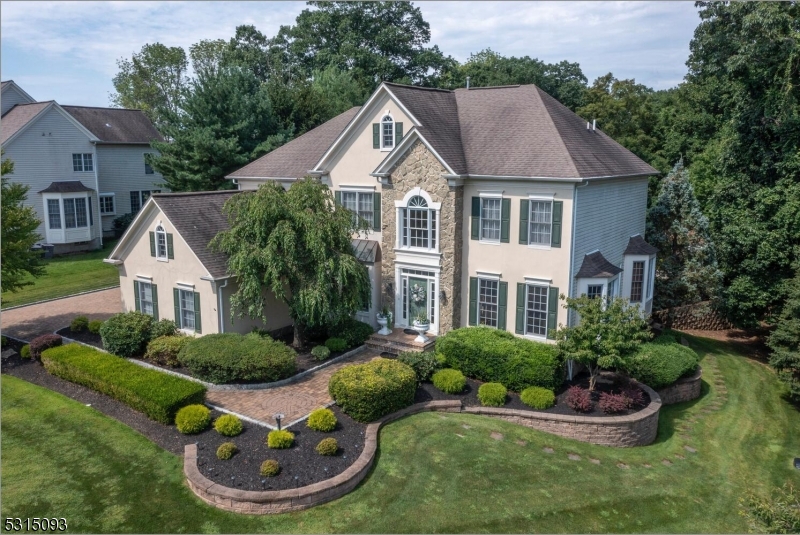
(420, 168)
(697, 316)
(685, 389)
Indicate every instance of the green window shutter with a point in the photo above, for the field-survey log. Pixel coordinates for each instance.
(376, 135)
(552, 310)
(198, 321)
(502, 306)
(398, 133)
(520, 326)
(558, 211)
(337, 198)
(524, 214)
(170, 250)
(475, 219)
(505, 219)
(138, 303)
(473, 300)
(155, 301)
(376, 212)
(152, 244)
(176, 299)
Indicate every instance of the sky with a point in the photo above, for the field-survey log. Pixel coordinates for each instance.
(67, 51)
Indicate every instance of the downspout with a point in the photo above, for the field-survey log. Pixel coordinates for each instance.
(219, 306)
(97, 188)
(572, 259)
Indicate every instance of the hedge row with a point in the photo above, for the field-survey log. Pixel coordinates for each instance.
(154, 393)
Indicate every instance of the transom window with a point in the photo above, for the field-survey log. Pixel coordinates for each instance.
(146, 297)
(186, 304)
(360, 204)
(419, 224)
(107, 204)
(536, 310)
(387, 132)
(488, 290)
(490, 219)
(594, 290)
(161, 243)
(82, 162)
(541, 223)
(54, 213)
(637, 282)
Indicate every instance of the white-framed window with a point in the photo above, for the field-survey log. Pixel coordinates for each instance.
(637, 281)
(387, 132)
(161, 243)
(75, 213)
(488, 301)
(107, 205)
(54, 213)
(491, 211)
(540, 222)
(186, 309)
(418, 222)
(82, 162)
(146, 298)
(594, 290)
(360, 203)
(651, 277)
(612, 288)
(138, 198)
(536, 310)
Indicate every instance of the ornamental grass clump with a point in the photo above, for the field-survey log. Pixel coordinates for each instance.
(327, 446)
(492, 394)
(579, 399)
(614, 403)
(320, 353)
(226, 451)
(538, 397)
(228, 425)
(449, 381)
(192, 419)
(269, 468)
(369, 391)
(280, 439)
(322, 420)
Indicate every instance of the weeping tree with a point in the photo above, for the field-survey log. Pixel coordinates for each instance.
(298, 246)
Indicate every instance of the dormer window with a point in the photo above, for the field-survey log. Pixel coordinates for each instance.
(387, 132)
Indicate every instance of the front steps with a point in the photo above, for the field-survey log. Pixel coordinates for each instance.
(399, 341)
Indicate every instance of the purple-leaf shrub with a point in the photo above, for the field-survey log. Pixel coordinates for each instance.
(614, 403)
(579, 399)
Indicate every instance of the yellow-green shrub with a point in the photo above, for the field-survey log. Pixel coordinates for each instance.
(369, 391)
(449, 381)
(192, 419)
(327, 446)
(226, 451)
(492, 394)
(270, 468)
(322, 420)
(538, 397)
(228, 425)
(280, 439)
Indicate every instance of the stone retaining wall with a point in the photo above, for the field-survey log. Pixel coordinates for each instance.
(697, 316)
(685, 389)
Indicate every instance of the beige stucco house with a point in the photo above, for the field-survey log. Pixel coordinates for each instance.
(485, 205)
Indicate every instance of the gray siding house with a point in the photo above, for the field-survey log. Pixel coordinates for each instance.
(85, 166)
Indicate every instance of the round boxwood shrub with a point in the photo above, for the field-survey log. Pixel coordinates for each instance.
(164, 350)
(423, 364)
(229, 357)
(336, 344)
(369, 391)
(492, 394)
(45, 341)
(270, 468)
(322, 420)
(658, 364)
(226, 451)
(94, 326)
(538, 397)
(228, 425)
(280, 439)
(126, 334)
(192, 419)
(327, 446)
(79, 324)
(449, 381)
(320, 352)
(25, 352)
(163, 328)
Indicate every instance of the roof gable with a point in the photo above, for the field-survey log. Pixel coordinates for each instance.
(11, 85)
(22, 116)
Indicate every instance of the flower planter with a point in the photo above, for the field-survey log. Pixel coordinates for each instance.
(421, 329)
(383, 321)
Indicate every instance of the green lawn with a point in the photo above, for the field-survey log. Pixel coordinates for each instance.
(67, 275)
(63, 459)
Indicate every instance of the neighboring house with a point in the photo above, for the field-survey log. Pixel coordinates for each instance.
(486, 204)
(85, 166)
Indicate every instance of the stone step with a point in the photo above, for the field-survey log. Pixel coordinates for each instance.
(395, 344)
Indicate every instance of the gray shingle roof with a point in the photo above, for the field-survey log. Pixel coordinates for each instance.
(66, 186)
(115, 125)
(300, 155)
(366, 250)
(637, 245)
(18, 116)
(595, 265)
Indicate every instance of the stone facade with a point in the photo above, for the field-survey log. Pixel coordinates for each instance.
(418, 167)
(694, 317)
(685, 389)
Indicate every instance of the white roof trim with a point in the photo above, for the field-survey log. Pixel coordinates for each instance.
(398, 151)
(12, 83)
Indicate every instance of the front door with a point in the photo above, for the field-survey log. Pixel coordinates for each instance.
(418, 298)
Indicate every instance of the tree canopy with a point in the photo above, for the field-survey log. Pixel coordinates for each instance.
(785, 340)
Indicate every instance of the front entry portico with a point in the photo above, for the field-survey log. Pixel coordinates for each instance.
(416, 296)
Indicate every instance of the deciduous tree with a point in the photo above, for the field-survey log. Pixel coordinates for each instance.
(785, 340)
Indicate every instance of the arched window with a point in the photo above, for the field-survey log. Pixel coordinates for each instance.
(419, 224)
(387, 132)
(161, 243)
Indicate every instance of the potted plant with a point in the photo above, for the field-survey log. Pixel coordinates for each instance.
(383, 321)
(421, 325)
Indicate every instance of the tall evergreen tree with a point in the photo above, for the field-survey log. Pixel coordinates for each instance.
(785, 340)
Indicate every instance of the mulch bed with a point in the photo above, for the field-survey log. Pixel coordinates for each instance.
(300, 465)
(82, 336)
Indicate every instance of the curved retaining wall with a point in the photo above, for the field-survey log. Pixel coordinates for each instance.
(685, 389)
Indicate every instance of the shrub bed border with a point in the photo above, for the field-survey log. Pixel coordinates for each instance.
(684, 389)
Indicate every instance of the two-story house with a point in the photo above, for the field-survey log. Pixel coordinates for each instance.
(486, 204)
(85, 166)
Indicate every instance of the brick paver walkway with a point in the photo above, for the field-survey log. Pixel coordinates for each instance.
(26, 323)
(294, 400)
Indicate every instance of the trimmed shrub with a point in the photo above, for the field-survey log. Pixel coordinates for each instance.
(659, 364)
(228, 357)
(154, 393)
(192, 419)
(164, 350)
(163, 328)
(320, 353)
(322, 420)
(354, 332)
(79, 324)
(336, 344)
(493, 355)
(492, 394)
(369, 391)
(327, 446)
(228, 425)
(25, 352)
(126, 334)
(423, 364)
(538, 397)
(280, 439)
(579, 399)
(449, 381)
(226, 451)
(614, 403)
(44, 342)
(269, 468)
(94, 326)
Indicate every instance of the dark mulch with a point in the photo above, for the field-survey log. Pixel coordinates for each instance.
(82, 336)
(469, 398)
(300, 464)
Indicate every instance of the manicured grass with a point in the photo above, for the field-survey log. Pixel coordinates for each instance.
(67, 275)
(432, 474)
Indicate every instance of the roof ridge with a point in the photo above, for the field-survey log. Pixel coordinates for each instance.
(538, 91)
(194, 193)
(31, 103)
(438, 89)
(98, 107)
(494, 87)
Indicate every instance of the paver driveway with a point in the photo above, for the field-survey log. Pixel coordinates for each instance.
(28, 322)
(294, 400)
